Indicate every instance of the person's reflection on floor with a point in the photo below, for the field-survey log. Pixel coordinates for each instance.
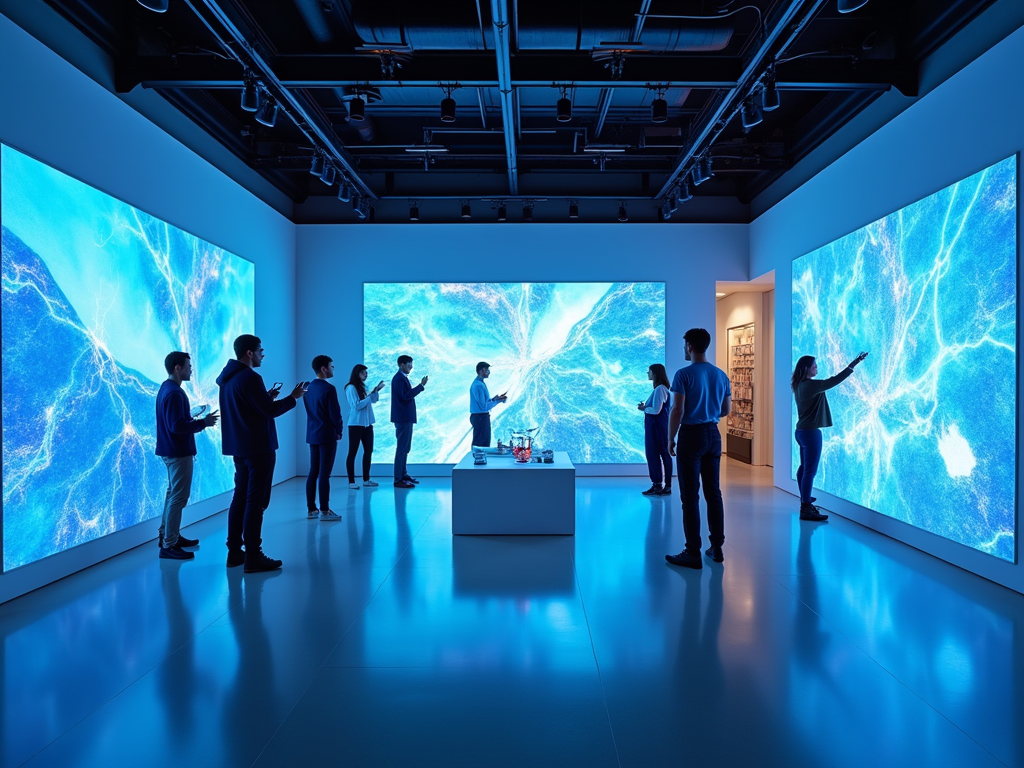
(698, 664)
(360, 527)
(250, 705)
(177, 673)
(660, 526)
(403, 576)
(808, 631)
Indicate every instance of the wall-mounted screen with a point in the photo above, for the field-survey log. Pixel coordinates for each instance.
(925, 429)
(95, 294)
(573, 358)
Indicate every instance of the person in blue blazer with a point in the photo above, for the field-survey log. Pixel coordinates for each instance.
(323, 431)
(403, 416)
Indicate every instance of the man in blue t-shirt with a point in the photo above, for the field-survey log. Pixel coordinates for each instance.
(701, 395)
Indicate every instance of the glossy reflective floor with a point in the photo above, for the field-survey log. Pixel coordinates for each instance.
(386, 642)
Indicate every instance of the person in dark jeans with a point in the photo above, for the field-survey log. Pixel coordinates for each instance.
(403, 416)
(701, 396)
(659, 460)
(813, 415)
(323, 431)
(248, 434)
(360, 424)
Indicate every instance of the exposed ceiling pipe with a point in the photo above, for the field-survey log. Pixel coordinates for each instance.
(299, 110)
(607, 93)
(787, 27)
(502, 47)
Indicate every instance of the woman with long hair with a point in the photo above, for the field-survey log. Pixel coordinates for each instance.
(360, 424)
(659, 460)
(813, 415)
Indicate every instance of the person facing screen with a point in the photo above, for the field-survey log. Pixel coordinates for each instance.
(403, 416)
(659, 460)
(813, 415)
(323, 431)
(360, 423)
(480, 405)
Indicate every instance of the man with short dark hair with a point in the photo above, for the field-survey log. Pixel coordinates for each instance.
(323, 431)
(176, 445)
(403, 416)
(701, 396)
(249, 435)
(480, 405)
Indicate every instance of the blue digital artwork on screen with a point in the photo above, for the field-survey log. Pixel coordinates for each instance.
(95, 294)
(925, 429)
(573, 358)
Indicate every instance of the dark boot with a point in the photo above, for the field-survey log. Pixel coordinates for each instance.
(812, 513)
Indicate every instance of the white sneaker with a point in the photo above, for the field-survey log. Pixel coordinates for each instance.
(370, 484)
(327, 515)
(313, 514)
(354, 486)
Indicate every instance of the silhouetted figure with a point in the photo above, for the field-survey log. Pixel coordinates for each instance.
(813, 415)
(323, 431)
(403, 416)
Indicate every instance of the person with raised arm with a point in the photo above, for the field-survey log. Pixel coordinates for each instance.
(360, 424)
(403, 416)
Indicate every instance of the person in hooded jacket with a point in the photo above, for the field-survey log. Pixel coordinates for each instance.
(248, 434)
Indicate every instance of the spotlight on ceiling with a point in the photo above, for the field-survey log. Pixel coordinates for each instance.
(267, 113)
(448, 110)
(356, 200)
(705, 170)
(672, 202)
(317, 166)
(685, 195)
(770, 96)
(466, 212)
(659, 110)
(750, 114)
(357, 109)
(159, 6)
(328, 176)
(574, 210)
(663, 213)
(843, 6)
(344, 191)
(363, 209)
(622, 213)
(502, 212)
(528, 212)
(563, 110)
(250, 95)
(414, 212)
(702, 171)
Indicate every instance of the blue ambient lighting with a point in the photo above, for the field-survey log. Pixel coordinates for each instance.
(573, 358)
(95, 294)
(925, 430)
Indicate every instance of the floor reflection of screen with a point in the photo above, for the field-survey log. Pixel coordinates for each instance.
(95, 294)
(925, 429)
(573, 358)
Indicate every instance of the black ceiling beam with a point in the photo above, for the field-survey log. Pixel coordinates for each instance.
(480, 70)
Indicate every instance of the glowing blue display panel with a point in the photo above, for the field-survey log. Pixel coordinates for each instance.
(573, 358)
(95, 294)
(925, 429)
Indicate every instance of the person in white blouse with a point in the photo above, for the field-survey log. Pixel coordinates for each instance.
(659, 460)
(360, 424)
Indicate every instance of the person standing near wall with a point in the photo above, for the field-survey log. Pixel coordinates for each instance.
(360, 423)
(813, 415)
(403, 416)
(248, 434)
(701, 396)
(176, 445)
(659, 460)
(323, 431)
(480, 405)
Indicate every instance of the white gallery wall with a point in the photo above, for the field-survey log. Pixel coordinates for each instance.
(961, 127)
(60, 116)
(334, 262)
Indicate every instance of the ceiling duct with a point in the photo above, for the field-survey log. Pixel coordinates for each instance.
(419, 26)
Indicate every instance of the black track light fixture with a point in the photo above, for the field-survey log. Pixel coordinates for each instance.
(528, 212)
(448, 104)
(849, 6)
(672, 202)
(574, 209)
(466, 212)
(157, 6)
(363, 209)
(344, 191)
(357, 109)
(623, 216)
(750, 115)
(685, 195)
(663, 213)
(502, 212)
(356, 201)
(705, 170)
(267, 113)
(250, 93)
(702, 171)
(659, 111)
(316, 168)
(328, 175)
(770, 96)
(414, 212)
(563, 109)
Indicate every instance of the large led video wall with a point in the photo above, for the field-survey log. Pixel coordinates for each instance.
(95, 294)
(573, 358)
(925, 429)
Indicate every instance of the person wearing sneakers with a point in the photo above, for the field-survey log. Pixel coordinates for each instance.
(176, 444)
(403, 416)
(248, 435)
(813, 415)
(701, 395)
(656, 433)
(360, 424)
(323, 431)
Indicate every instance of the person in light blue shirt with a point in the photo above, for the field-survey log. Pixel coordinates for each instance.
(480, 405)
(701, 396)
